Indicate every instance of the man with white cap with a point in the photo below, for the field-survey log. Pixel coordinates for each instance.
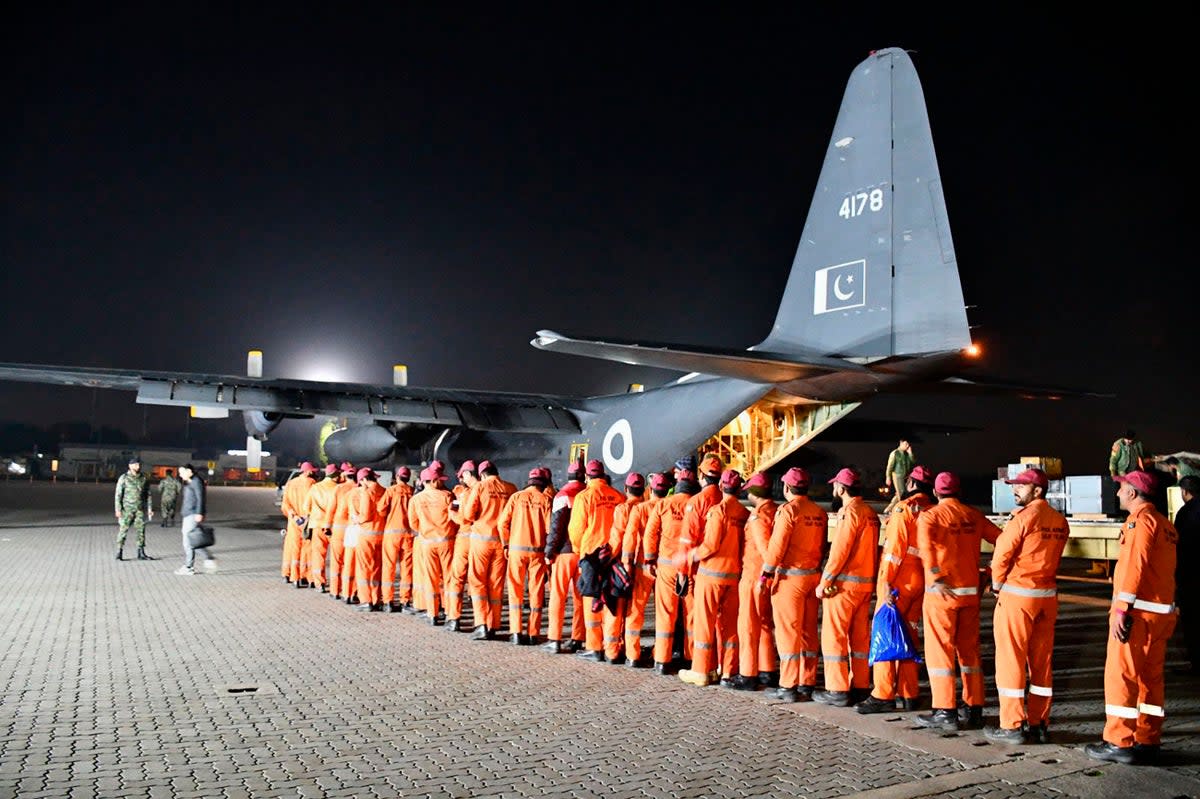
(1024, 565)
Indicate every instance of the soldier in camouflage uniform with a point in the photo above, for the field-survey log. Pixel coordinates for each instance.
(169, 486)
(1126, 455)
(133, 509)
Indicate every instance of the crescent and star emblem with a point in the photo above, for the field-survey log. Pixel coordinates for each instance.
(837, 288)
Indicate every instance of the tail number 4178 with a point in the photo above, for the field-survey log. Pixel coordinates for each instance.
(858, 204)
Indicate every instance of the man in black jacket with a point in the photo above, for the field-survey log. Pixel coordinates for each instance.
(192, 513)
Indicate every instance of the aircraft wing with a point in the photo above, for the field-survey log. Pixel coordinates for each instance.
(480, 410)
(750, 365)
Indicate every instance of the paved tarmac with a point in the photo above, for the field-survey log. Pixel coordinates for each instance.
(123, 679)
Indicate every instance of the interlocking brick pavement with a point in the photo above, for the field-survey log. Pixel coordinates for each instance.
(123, 679)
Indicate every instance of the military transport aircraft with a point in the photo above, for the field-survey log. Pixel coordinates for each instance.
(873, 304)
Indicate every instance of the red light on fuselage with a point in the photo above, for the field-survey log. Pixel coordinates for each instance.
(973, 351)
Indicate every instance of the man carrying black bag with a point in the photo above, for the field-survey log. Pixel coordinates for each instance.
(195, 535)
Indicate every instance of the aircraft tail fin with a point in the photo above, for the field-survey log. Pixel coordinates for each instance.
(875, 274)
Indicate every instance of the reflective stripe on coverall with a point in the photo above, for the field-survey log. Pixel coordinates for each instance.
(486, 563)
(564, 565)
(949, 536)
(1144, 578)
(321, 503)
(1023, 568)
(368, 578)
(397, 543)
(614, 620)
(456, 579)
(846, 616)
(337, 536)
(589, 528)
(794, 561)
(756, 630)
(633, 554)
(718, 570)
(295, 499)
(523, 527)
(900, 569)
(429, 517)
(663, 530)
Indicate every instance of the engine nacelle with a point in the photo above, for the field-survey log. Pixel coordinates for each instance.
(364, 444)
(260, 424)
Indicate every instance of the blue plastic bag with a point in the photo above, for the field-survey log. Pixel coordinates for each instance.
(890, 638)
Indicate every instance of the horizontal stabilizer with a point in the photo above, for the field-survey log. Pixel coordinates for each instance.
(755, 366)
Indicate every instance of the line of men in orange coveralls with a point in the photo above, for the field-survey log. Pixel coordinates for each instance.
(736, 590)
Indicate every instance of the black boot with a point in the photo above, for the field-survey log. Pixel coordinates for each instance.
(970, 717)
(120, 553)
(142, 554)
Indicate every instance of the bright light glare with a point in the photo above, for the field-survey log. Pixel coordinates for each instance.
(324, 370)
(973, 351)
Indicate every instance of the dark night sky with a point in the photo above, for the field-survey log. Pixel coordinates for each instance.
(347, 190)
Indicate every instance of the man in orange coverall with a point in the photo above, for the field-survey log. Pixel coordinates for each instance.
(564, 568)
(295, 499)
(524, 523)
(397, 550)
(664, 529)
(641, 571)
(790, 573)
(614, 620)
(949, 536)
(339, 563)
(322, 502)
(456, 578)
(756, 634)
(429, 518)
(900, 570)
(1023, 568)
(591, 521)
(364, 511)
(845, 589)
(486, 563)
(1141, 620)
(717, 560)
